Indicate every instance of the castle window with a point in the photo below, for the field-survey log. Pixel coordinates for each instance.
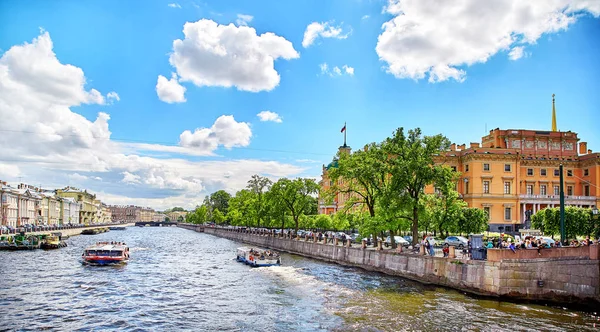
(530, 172)
(486, 167)
(507, 167)
(486, 187)
(543, 172)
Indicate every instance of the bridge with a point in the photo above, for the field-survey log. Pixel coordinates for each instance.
(155, 223)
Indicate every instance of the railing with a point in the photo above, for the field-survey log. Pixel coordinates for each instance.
(557, 197)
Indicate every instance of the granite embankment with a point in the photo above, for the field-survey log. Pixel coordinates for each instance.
(566, 275)
(75, 231)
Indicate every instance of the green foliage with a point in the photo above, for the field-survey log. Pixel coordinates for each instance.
(177, 209)
(578, 222)
(295, 196)
(198, 216)
(472, 221)
(218, 200)
(258, 185)
(411, 168)
(218, 217)
(323, 221)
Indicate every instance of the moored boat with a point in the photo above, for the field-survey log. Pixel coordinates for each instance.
(117, 228)
(52, 242)
(258, 257)
(106, 253)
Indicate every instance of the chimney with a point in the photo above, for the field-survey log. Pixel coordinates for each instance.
(453, 147)
(582, 147)
(462, 147)
(589, 151)
(474, 145)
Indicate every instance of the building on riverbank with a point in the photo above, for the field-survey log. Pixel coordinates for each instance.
(512, 174)
(88, 211)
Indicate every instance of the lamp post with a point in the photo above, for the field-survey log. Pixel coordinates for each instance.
(562, 206)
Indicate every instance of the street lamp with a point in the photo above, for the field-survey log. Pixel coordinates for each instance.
(595, 210)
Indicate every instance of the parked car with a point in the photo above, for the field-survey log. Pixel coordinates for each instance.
(457, 241)
(398, 239)
(408, 238)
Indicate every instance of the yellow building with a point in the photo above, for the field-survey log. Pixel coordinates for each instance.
(146, 214)
(177, 215)
(514, 173)
(88, 213)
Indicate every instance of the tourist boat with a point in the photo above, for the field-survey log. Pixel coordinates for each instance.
(52, 242)
(117, 228)
(258, 257)
(106, 253)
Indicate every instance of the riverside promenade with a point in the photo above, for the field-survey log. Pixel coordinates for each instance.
(560, 275)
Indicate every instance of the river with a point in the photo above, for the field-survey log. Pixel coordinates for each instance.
(181, 280)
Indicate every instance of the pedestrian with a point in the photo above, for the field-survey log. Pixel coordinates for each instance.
(431, 250)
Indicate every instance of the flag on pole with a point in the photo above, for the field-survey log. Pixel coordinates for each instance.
(344, 128)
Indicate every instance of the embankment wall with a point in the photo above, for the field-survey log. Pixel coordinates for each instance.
(553, 279)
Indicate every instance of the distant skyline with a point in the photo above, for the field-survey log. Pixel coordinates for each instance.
(159, 103)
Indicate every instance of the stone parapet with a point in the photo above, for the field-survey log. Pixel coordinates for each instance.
(553, 279)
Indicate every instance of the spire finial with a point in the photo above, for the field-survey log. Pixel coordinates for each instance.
(553, 114)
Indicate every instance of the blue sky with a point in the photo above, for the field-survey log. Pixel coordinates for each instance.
(454, 70)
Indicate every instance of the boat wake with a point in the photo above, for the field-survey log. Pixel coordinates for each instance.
(138, 249)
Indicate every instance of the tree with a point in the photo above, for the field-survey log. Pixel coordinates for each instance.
(294, 195)
(472, 221)
(218, 217)
(198, 216)
(323, 222)
(242, 209)
(177, 209)
(444, 208)
(412, 168)
(219, 200)
(259, 185)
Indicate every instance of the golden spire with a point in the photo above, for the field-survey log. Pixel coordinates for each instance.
(553, 115)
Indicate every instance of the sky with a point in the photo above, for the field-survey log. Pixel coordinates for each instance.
(159, 103)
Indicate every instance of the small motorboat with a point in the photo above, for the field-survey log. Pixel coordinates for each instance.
(106, 253)
(258, 257)
(52, 242)
(117, 228)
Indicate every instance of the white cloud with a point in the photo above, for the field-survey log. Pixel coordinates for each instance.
(243, 19)
(437, 38)
(174, 5)
(324, 30)
(269, 116)
(52, 145)
(112, 96)
(516, 53)
(365, 17)
(130, 178)
(170, 91)
(8, 171)
(308, 161)
(348, 70)
(225, 131)
(225, 55)
(77, 177)
(336, 71)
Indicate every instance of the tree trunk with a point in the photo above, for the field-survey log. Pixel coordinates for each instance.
(392, 240)
(415, 225)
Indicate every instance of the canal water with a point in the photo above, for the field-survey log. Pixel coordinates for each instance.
(181, 280)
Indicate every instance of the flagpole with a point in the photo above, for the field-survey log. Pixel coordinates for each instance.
(345, 129)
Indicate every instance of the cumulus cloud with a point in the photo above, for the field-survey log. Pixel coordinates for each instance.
(269, 116)
(243, 19)
(52, 145)
(516, 53)
(112, 96)
(174, 5)
(323, 30)
(170, 91)
(225, 131)
(336, 71)
(212, 54)
(434, 39)
(365, 17)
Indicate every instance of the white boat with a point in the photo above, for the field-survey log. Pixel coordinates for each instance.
(258, 257)
(106, 253)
